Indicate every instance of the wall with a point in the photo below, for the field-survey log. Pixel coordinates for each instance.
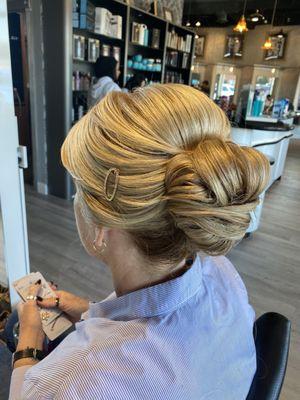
(253, 54)
(175, 5)
(253, 41)
(288, 82)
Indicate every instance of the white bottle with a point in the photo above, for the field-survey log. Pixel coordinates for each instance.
(80, 112)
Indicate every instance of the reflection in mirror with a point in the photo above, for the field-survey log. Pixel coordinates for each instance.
(264, 85)
(225, 86)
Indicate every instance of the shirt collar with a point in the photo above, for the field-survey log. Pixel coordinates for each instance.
(151, 301)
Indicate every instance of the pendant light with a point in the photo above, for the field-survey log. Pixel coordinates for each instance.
(256, 17)
(241, 26)
(268, 43)
(188, 22)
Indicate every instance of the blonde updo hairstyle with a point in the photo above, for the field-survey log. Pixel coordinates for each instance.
(183, 186)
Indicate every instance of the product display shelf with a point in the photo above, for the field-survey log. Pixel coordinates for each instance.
(178, 36)
(174, 49)
(152, 29)
(100, 36)
(82, 61)
(151, 76)
(143, 71)
(177, 68)
(58, 38)
(142, 46)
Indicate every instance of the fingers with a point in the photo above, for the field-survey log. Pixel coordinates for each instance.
(20, 307)
(53, 285)
(50, 302)
(33, 292)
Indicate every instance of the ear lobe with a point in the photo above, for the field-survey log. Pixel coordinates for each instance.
(99, 236)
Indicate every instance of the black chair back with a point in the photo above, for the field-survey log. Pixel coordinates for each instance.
(272, 340)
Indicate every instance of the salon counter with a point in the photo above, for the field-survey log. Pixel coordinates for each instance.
(274, 144)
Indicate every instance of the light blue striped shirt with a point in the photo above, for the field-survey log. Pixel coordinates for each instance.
(186, 339)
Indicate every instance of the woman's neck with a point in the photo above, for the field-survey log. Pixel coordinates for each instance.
(130, 269)
(131, 276)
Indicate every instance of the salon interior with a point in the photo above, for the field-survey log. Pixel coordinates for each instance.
(244, 55)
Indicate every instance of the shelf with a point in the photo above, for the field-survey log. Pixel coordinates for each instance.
(143, 71)
(147, 14)
(177, 68)
(184, 29)
(179, 51)
(100, 36)
(83, 61)
(108, 37)
(145, 47)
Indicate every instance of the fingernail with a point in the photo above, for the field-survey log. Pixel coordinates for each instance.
(38, 282)
(39, 298)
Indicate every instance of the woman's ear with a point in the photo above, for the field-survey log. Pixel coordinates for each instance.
(100, 236)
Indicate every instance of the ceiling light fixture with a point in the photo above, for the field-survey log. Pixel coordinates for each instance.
(196, 36)
(256, 17)
(188, 22)
(241, 26)
(198, 23)
(273, 70)
(268, 45)
(280, 35)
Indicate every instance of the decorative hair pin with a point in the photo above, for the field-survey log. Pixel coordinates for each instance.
(115, 172)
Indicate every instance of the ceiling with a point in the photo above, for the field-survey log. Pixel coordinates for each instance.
(217, 13)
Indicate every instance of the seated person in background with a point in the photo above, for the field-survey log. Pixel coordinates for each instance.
(162, 195)
(107, 73)
(136, 81)
(205, 88)
(268, 105)
(224, 104)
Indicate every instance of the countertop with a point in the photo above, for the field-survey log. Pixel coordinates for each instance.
(255, 137)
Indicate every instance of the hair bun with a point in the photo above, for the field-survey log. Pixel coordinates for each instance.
(211, 191)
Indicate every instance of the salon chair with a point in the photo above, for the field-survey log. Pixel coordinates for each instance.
(272, 339)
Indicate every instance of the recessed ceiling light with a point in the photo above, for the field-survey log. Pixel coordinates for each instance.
(265, 21)
(188, 24)
(196, 36)
(198, 23)
(273, 70)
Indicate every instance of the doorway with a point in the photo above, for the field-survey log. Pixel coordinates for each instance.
(19, 67)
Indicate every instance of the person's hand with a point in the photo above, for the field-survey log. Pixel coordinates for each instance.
(31, 330)
(70, 304)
